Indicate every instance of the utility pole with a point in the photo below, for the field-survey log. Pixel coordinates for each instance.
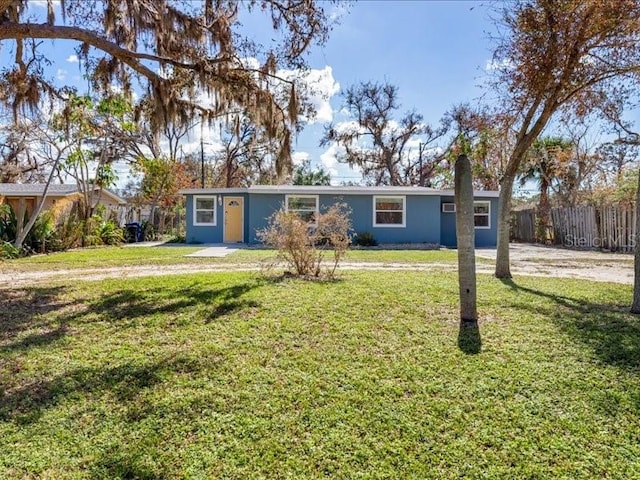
(420, 150)
(201, 158)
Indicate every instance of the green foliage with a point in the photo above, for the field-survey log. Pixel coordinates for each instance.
(104, 232)
(8, 251)
(39, 236)
(365, 239)
(305, 175)
(42, 232)
(109, 233)
(626, 187)
(149, 231)
(8, 223)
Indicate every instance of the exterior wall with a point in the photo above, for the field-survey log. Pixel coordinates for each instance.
(261, 207)
(203, 234)
(485, 237)
(421, 216)
(424, 220)
(213, 233)
(31, 202)
(51, 200)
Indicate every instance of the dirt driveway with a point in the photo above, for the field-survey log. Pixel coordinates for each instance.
(525, 260)
(538, 260)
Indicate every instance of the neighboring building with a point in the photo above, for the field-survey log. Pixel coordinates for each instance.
(390, 214)
(31, 193)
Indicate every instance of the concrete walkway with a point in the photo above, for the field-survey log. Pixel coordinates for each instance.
(209, 250)
(218, 251)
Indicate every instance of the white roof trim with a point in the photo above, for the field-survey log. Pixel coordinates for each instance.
(330, 190)
(55, 190)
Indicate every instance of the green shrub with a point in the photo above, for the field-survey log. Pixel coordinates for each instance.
(109, 233)
(41, 234)
(7, 250)
(68, 234)
(149, 231)
(365, 239)
(8, 223)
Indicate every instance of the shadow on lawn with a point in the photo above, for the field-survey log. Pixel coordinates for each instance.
(609, 329)
(134, 303)
(469, 339)
(28, 309)
(26, 403)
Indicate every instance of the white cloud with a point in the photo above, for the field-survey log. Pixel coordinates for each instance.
(299, 158)
(43, 3)
(504, 64)
(318, 85)
(323, 87)
(348, 126)
(329, 158)
(72, 59)
(61, 74)
(209, 135)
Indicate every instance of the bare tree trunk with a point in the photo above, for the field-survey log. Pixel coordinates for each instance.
(635, 307)
(465, 232)
(504, 221)
(22, 234)
(543, 210)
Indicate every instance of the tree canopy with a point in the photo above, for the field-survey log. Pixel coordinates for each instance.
(377, 143)
(178, 51)
(570, 56)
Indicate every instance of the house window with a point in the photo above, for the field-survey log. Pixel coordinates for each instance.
(388, 211)
(306, 206)
(449, 208)
(204, 210)
(482, 214)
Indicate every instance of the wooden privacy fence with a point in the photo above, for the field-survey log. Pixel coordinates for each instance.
(608, 227)
(523, 226)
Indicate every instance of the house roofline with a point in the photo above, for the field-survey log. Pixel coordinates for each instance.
(331, 190)
(6, 191)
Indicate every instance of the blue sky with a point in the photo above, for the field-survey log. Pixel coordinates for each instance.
(435, 52)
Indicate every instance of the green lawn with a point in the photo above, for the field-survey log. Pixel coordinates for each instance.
(105, 257)
(235, 376)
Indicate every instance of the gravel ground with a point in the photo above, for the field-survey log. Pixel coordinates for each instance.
(525, 260)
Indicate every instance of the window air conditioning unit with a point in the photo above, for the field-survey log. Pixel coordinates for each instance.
(449, 208)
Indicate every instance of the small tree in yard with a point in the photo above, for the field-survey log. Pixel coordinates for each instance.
(635, 306)
(302, 245)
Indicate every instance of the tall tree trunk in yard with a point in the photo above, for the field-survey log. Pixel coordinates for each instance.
(635, 307)
(544, 208)
(465, 232)
(504, 220)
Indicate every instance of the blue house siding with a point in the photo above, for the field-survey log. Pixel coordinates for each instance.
(424, 220)
(261, 207)
(211, 233)
(485, 237)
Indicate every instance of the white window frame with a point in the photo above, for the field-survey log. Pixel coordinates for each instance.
(391, 225)
(316, 212)
(450, 205)
(488, 214)
(196, 210)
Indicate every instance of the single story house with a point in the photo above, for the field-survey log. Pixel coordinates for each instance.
(31, 193)
(390, 214)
